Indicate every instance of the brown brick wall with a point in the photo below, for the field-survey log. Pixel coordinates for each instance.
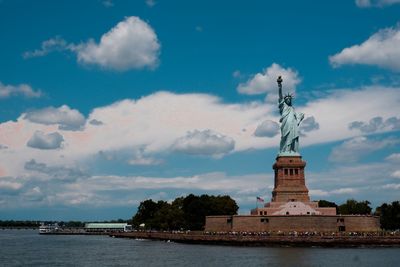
(327, 210)
(218, 224)
(252, 223)
(367, 223)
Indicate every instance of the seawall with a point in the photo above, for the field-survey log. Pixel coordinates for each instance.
(265, 240)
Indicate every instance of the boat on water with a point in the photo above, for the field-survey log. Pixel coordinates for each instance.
(48, 228)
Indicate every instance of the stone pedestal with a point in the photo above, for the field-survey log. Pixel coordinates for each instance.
(289, 180)
(290, 194)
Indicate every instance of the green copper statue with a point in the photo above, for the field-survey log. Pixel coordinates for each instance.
(290, 121)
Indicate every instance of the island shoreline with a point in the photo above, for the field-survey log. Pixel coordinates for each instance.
(262, 241)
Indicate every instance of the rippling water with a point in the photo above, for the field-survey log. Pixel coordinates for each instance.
(28, 248)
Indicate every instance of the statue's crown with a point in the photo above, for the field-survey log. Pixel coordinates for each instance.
(289, 96)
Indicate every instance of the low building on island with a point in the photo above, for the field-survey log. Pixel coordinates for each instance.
(107, 227)
(291, 208)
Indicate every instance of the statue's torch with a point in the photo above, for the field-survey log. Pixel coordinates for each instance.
(279, 80)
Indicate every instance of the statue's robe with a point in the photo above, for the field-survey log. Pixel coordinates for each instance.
(290, 121)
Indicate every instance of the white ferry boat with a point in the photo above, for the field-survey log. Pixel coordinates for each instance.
(48, 228)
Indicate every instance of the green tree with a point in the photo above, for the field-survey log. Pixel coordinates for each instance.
(168, 217)
(183, 213)
(145, 213)
(389, 215)
(354, 207)
(196, 208)
(12, 223)
(325, 203)
(73, 224)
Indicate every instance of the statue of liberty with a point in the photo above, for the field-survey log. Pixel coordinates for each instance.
(290, 121)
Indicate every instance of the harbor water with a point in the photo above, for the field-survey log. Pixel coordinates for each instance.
(28, 248)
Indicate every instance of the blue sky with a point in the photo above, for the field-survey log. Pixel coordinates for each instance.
(107, 103)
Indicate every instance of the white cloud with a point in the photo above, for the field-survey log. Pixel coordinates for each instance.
(376, 124)
(34, 194)
(40, 140)
(358, 180)
(59, 172)
(53, 44)
(205, 142)
(356, 175)
(357, 147)
(18, 90)
(64, 116)
(363, 3)
(108, 3)
(376, 3)
(325, 193)
(236, 74)
(131, 44)
(318, 193)
(338, 184)
(141, 160)
(9, 184)
(369, 181)
(309, 124)
(114, 190)
(395, 157)
(156, 121)
(344, 191)
(153, 123)
(265, 82)
(396, 174)
(145, 161)
(381, 49)
(340, 108)
(391, 186)
(212, 183)
(95, 122)
(267, 128)
(150, 3)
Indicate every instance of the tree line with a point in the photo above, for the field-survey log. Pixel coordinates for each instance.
(19, 224)
(351, 206)
(34, 224)
(184, 213)
(389, 213)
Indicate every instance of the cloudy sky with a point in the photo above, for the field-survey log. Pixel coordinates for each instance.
(107, 103)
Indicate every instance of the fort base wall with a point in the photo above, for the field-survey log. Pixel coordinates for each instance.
(299, 223)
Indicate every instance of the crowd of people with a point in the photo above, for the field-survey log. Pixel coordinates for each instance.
(306, 233)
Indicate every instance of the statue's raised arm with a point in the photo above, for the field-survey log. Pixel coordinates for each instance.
(290, 121)
(279, 81)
